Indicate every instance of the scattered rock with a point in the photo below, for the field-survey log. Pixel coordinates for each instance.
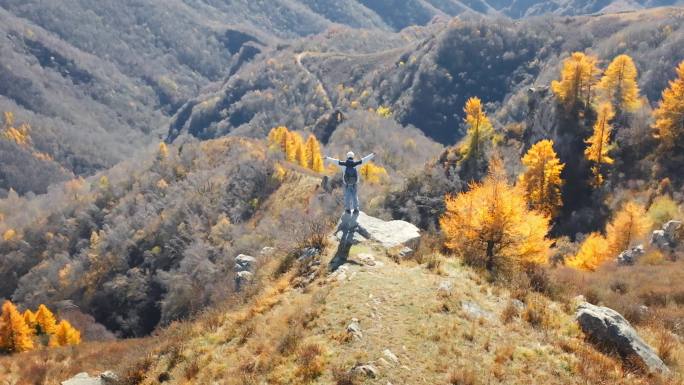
(106, 378)
(267, 251)
(390, 356)
(608, 328)
(368, 260)
(405, 252)
(475, 311)
(109, 377)
(309, 266)
(354, 329)
(518, 304)
(308, 253)
(244, 263)
(630, 256)
(340, 274)
(445, 287)
(242, 278)
(366, 370)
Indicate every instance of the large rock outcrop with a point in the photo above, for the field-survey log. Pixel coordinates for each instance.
(388, 233)
(606, 327)
(668, 238)
(106, 378)
(359, 227)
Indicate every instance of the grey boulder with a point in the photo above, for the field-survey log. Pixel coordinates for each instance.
(388, 233)
(668, 237)
(244, 262)
(606, 327)
(106, 378)
(629, 257)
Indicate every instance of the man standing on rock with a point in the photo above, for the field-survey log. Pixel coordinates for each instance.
(350, 179)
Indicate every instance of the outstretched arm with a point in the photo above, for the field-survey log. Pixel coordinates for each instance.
(367, 158)
(339, 162)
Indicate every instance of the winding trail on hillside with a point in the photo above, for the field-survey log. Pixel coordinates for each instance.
(319, 83)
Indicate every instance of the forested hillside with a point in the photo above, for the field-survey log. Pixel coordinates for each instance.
(425, 75)
(91, 74)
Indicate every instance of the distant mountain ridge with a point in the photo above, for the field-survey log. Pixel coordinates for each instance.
(99, 79)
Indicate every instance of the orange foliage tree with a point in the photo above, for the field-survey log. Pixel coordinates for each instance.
(669, 121)
(541, 179)
(630, 225)
(593, 252)
(306, 154)
(579, 74)
(15, 335)
(490, 226)
(479, 132)
(65, 334)
(373, 173)
(598, 144)
(45, 321)
(619, 84)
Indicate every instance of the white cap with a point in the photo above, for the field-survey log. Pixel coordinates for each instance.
(350, 155)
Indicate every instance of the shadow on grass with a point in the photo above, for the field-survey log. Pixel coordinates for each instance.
(348, 226)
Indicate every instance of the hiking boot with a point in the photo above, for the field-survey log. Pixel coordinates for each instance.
(356, 211)
(347, 211)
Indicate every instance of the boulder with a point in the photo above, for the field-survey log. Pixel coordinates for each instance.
(444, 289)
(244, 263)
(388, 233)
(366, 370)
(405, 252)
(242, 278)
(267, 251)
(390, 356)
(606, 327)
(659, 240)
(668, 237)
(106, 378)
(671, 229)
(473, 310)
(630, 256)
(354, 329)
(109, 378)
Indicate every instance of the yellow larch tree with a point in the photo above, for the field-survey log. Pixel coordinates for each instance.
(593, 253)
(301, 155)
(313, 154)
(669, 117)
(45, 320)
(278, 137)
(541, 179)
(294, 145)
(372, 173)
(163, 151)
(15, 335)
(65, 334)
(579, 75)
(619, 84)
(598, 144)
(30, 319)
(490, 226)
(631, 224)
(479, 132)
